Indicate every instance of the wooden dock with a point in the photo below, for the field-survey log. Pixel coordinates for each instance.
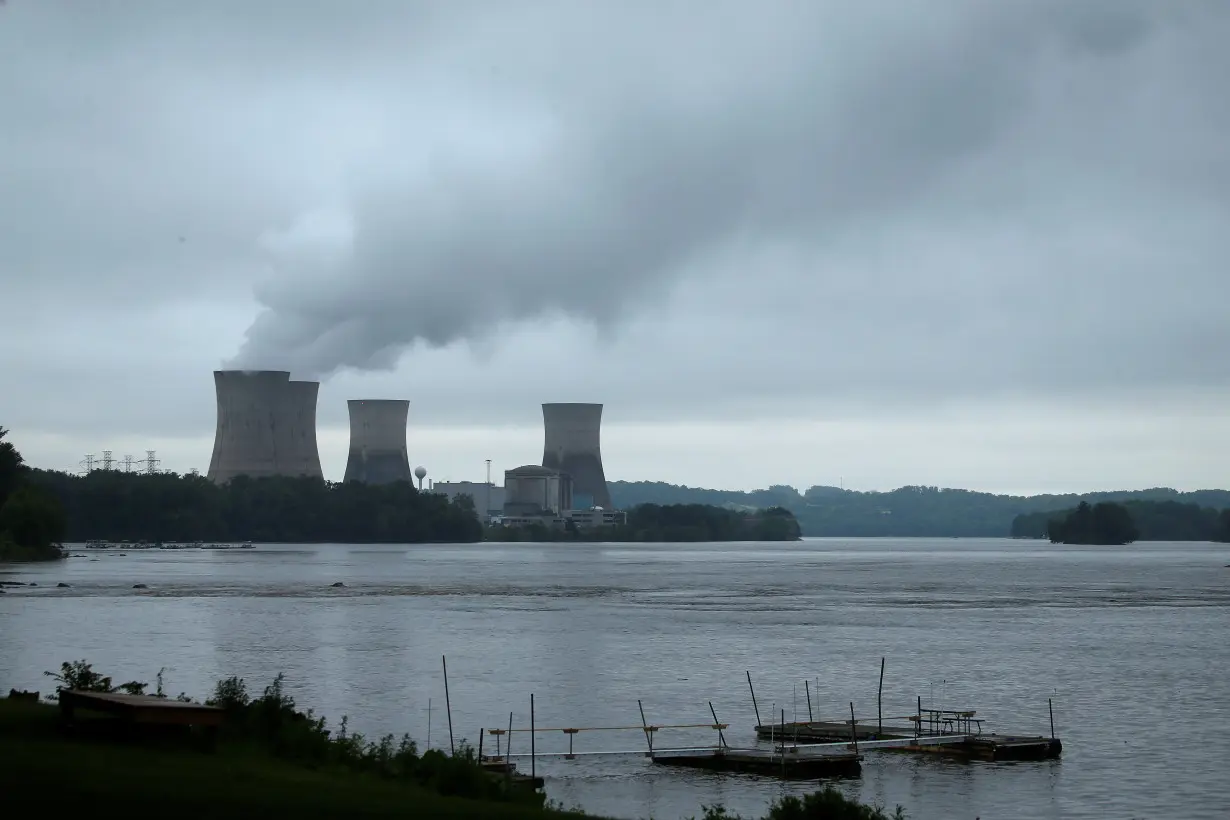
(788, 764)
(956, 743)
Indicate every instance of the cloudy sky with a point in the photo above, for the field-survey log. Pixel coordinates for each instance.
(956, 242)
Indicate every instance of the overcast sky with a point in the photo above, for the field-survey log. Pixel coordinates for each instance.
(956, 242)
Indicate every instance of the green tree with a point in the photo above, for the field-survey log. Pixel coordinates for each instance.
(11, 467)
(32, 519)
(1223, 533)
(1105, 523)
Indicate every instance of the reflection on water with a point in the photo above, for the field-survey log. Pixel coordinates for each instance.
(1130, 644)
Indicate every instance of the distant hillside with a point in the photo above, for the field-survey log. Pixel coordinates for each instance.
(904, 512)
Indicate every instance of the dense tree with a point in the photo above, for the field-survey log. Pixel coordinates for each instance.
(110, 505)
(31, 520)
(904, 512)
(1223, 530)
(1156, 521)
(11, 467)
(1105, 523)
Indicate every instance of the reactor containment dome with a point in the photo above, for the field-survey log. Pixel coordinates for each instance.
(378, 441)
(266, 426)
(571, 445)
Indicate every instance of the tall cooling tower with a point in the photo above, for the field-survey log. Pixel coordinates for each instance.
(378, 441)
(300, 455)
(266, 426)
(572, 433)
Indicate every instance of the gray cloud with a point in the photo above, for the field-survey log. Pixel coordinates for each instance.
(620, 148)
(756, 206)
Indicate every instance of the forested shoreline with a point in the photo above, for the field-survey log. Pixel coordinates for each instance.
(1152, 521)
(109, 505)
(907, 512)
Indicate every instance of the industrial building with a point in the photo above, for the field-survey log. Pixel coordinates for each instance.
(536, 491)
(488, 498)
(571, 446)
(266, 426)
(378, 441)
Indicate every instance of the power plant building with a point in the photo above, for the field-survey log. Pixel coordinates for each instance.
(266, 426)
(488, 498)
(571, 446)
(378, 441)
(536, 491)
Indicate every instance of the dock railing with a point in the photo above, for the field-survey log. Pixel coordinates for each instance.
(503, 738)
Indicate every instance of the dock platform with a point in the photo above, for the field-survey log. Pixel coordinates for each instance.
(789, 765)
(969, 744)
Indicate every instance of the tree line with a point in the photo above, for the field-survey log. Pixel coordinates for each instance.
(913, 511)
(1151, 520)
(110, 505)
(670, 523)
(32, 523)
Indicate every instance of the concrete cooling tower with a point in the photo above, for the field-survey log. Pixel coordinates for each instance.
(571, 446)
(378, 441)
(266, 426)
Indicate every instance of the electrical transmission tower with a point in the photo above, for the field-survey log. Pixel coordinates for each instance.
(195, 472)
(107, 462)
(88, 462)
(128, 464)
(150, 462)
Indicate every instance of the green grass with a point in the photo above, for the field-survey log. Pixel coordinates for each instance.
(74, 776)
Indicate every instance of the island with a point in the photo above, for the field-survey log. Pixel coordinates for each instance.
(1154, 521)
(1105, 524)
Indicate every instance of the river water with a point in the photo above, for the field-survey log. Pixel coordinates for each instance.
(1130, 644)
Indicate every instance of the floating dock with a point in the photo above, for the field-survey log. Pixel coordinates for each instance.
(964, 739)
(788, 764)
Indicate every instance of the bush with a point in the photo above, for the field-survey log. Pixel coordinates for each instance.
(273, 725)
(826, 804)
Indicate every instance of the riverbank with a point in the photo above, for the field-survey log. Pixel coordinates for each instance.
(85, 774)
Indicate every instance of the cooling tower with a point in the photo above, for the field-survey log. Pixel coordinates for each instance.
(266, 426)
(300, 456)
(571, 446)
(378, 441)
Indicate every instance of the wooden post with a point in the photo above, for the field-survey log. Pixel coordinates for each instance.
(533, 742)
(428, 723)
(481, 732)
(807, 690)
(645, 725)
(853, 730)
(783, 745)
(880, 701)
(448, 707)
(508, 757)
(716, 722)
(1050, 706)
(753, 691)
(918, 718)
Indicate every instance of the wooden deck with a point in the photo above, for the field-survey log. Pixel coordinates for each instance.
(140, 709)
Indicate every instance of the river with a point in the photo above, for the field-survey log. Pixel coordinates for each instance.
(1129, 643)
